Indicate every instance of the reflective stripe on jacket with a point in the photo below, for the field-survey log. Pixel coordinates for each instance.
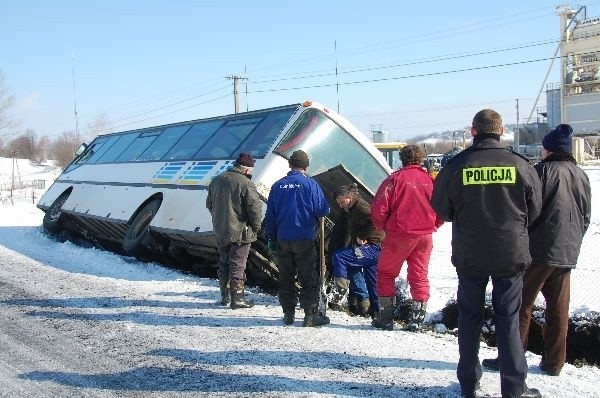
(491, 195)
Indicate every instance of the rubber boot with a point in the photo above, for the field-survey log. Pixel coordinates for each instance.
(418, 310)
(385, 317)
(312, 318)
(225, 295)
(363, 307)
(288, 316)
(237, 295)
(339, 294)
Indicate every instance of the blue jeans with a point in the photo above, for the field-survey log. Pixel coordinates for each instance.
(361, 272)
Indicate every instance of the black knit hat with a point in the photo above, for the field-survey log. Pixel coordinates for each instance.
(245, 159)
(559, 139)
(299, 158)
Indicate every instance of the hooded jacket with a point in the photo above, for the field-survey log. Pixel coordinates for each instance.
(556, 235)
(235, 207)
(491, 195)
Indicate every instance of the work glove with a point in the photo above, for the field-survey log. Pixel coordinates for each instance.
(272, 248)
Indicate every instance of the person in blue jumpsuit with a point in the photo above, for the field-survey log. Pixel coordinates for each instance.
(355, 266)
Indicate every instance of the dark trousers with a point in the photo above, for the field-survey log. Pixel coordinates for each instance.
(506, 301)
(359, 270)
(555, 285)
(297, 257)
(232, 260)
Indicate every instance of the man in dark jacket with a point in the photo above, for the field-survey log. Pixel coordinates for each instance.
(554, 241)
(355, 266)
(294, 206)
(236, 211)
(491, 196)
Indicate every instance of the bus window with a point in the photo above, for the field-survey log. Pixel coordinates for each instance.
(329, 145)
(101, 151)
(163, 143)
(92, 149)
(138, 146)
(193, 140)
(227, 138)
(114, 151)
(263, 137)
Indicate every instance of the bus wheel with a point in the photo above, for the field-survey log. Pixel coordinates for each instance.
(52, 221)
(137, 237)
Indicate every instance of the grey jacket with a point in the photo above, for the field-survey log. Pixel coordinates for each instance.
(235, 207)
(555, 236)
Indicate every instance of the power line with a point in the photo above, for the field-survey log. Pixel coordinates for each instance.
(406, 76)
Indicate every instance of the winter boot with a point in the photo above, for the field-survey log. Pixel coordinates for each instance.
(312, 318)
(352, 305)
(288, 316)
(417, 315)
(224, 286)
(363, 307)
(237, 295)
(339, 293)
(385, 318)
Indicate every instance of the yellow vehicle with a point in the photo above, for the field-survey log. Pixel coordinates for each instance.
(391, 152)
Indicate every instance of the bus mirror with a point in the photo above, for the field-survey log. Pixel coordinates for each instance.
(81, 149)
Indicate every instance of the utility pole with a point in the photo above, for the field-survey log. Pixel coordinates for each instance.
(75, 96)
(516, 139)
(235, 79)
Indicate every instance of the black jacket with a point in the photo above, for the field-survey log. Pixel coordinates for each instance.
(555, 236)
(235, 207)
(491, 195)
(360, 224)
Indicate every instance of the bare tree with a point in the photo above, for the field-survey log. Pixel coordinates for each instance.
(24, 146)
(7, 100)
(99, 126)
(62, 149)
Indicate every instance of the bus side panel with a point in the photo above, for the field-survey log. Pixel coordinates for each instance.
(52, 193)
(184, 210)
(106, 201)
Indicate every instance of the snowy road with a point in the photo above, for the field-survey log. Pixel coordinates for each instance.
(80, 322)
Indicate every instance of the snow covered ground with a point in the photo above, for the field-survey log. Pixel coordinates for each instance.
(174, 341)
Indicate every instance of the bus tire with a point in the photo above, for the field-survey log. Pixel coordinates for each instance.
(53, 219)
(137, 237)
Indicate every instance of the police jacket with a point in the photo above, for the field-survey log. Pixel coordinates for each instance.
(360, 224)
(555, 236)
(235, 207)
(402, 205)
(491, 195)
(294, 206)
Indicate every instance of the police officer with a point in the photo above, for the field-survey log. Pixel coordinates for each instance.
(294, 205)
(490, 195)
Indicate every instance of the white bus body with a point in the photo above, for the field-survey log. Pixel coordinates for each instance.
(145, 190)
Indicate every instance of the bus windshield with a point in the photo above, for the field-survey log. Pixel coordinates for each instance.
(329, 145)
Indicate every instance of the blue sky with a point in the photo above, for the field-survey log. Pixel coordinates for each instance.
(145, 63)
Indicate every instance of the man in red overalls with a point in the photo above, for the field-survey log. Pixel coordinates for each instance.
(402, 208)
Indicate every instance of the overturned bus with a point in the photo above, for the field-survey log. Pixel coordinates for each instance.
(143, 192)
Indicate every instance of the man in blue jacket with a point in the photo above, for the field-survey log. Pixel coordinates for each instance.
(294, 206)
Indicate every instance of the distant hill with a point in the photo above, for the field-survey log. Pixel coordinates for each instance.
(447, 136)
